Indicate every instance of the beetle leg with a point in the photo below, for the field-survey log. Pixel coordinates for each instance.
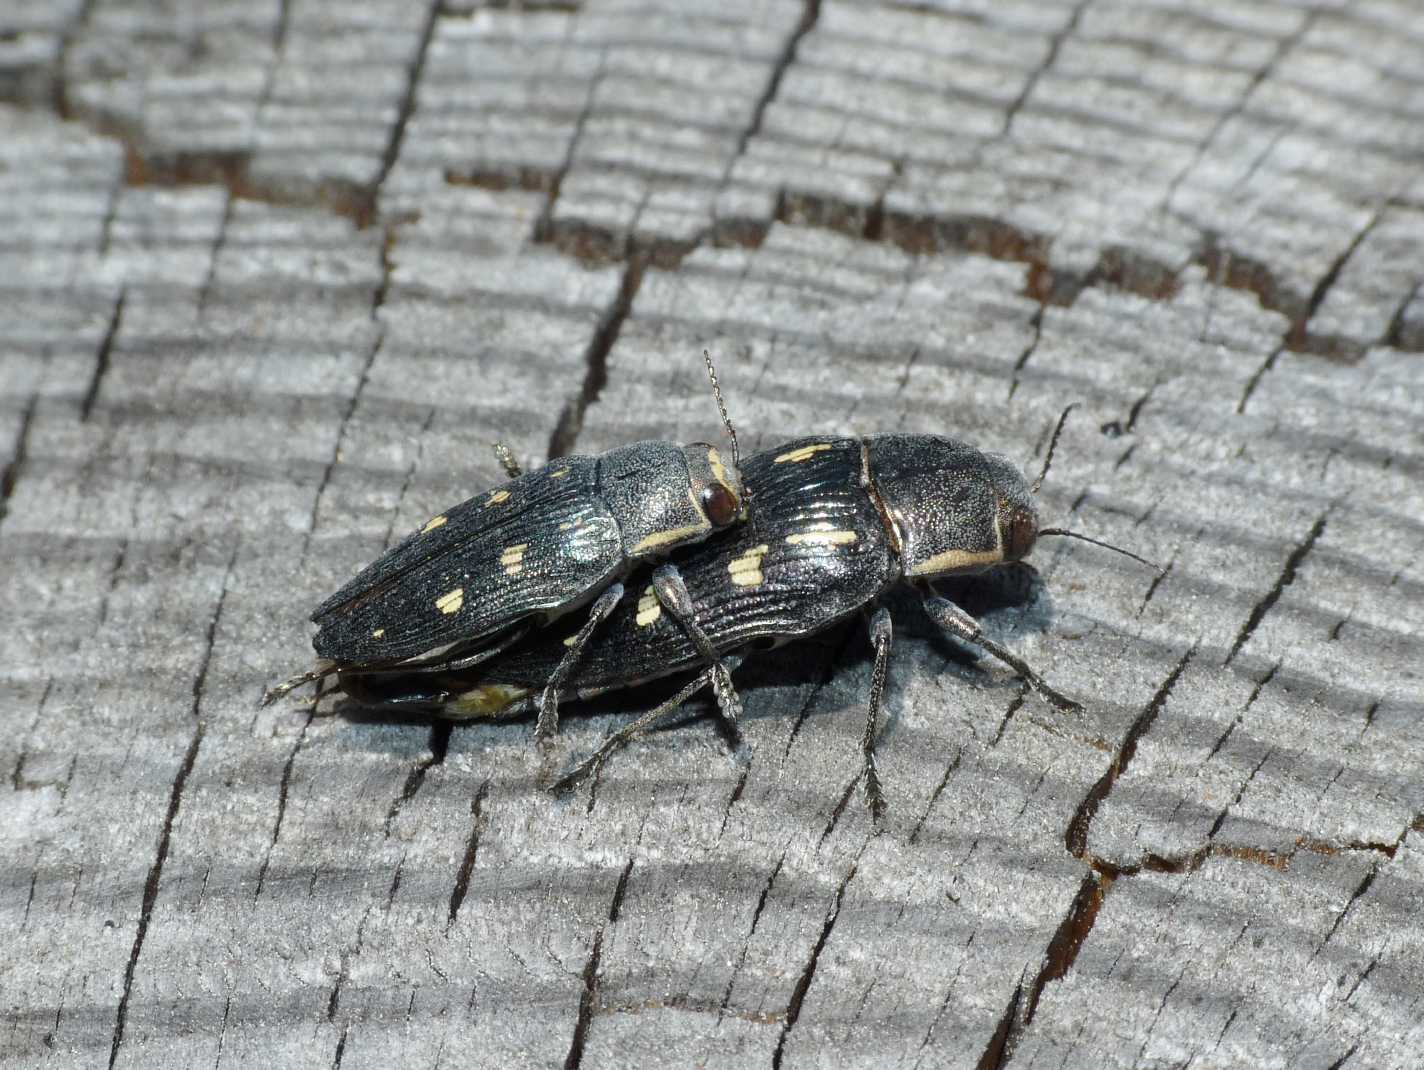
(320, 671)
(548, 723)
(672, 593)
(507, 461)
(954, 621)
(880, 636)
(623, 735)
(411, 698)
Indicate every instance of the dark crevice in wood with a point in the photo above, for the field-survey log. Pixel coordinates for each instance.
(282, 789)
(439, 748)
(808, 973)
(101, 362)
(1036, 325)
(543, 230)
(155, 871)
(1076, 837)
(1284, 580)
(1156, 582)
(998, 1049)
(751, 931)
(839, 809)
(1339, 1063)
(407, 106)
(1355, 897)
(1055, 44)
(570, 423)
(472, 851)
(733, 799)
(1402, 333)
(588, 996)
(347, 413)
(219, 241)
(934, 795)
(395, 884)
(810, 13)
(1015, 704)
(340, 1049)
(1240, 793)
(1297, 338)
(1067, 941)
(504, 177)
(1250, 701)
(10, 475)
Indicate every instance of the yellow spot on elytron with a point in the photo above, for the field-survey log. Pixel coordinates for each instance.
(746, 570)
(955, 560)
(649, 608)
(513, 558)
(433, 523)
(671, 535)
(488, 700)
(559, 474)
(451, 601)
(565, 525)
(802, 454)
(378, 633)
(497, 497)
(830, 538)
(570, 640)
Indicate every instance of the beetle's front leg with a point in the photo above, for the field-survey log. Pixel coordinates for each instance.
(672, 593)
(548, 724)
(959, 624)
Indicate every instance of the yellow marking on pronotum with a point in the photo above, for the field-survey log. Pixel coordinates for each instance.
(649, 608)
(497, 497)
(719, 470)
(559, 474)
(513, 558)
(831, 538)
(952, 560)
(802, 454)
(487, 701)
(451, 601)
(662, 538)
(746, 570)
(433, 523)
(378, 633)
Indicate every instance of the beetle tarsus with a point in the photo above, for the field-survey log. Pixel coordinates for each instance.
(959, 624)
(320, 671)
(507, 461)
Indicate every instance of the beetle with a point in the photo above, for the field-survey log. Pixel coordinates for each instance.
(478, 576)
(836, 523)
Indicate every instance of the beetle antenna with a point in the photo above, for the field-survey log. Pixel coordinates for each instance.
(1052, 445)
(722, 408)
(1105, 545)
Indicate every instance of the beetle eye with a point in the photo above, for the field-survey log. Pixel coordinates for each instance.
(1022, 533)
(720, 505)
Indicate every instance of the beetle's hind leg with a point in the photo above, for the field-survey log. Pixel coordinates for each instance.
(548, 724)
(955, 622)
(672, 593)
(880, 638)
(594, 761)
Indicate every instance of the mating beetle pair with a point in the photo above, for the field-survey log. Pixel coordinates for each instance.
(831, 525)
(835, 524)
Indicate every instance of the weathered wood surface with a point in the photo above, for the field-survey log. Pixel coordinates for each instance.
(274, 276)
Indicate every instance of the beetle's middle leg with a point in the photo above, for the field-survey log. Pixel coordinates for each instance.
(548, 724)
(672, 593)
(959, 624)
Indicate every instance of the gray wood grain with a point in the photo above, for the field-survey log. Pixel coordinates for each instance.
(276, 275)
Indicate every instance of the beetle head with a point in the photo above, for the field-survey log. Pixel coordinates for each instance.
(716, 486)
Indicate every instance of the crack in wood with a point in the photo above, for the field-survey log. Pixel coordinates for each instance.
(472, 850)
(751, 931)
(1285, 579)
(808, 973)
(588, 996)
(101, 362)
(938, 791)
(10, 475)
(1055, 44)
(439, 746)
(997, 1050)
(282, 787)
(347, 413)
